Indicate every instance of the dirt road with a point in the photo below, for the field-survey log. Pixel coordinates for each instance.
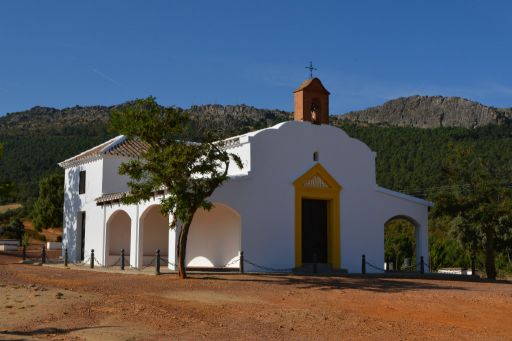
(64, 304)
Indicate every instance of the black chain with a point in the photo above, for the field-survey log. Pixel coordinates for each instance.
(145, 266)
(265, 268)
(375, 267)
(97, 262)
(232, 262)
(84, 262)
(165, 260)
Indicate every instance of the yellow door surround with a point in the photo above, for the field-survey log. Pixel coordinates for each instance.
(318, 184)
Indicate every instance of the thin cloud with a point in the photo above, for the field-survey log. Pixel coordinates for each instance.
(106, 77)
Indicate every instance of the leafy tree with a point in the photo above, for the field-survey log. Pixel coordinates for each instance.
(48, 208)
(399, 241)
(189, 171)
(6, 187)
(478, 202)
(14, 230)
(447, 251)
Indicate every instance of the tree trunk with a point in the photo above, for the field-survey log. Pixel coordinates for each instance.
(182, 249)
(490, 264)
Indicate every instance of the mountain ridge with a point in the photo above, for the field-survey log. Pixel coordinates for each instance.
(430, 112)
(412, 111)
(213, 116)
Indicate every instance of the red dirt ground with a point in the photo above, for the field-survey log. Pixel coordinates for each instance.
(42, 302)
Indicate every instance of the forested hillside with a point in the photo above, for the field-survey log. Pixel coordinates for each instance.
(409, 159)
(37, 139)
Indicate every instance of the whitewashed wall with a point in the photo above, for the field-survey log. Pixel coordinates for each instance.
(262, 195)
(214, 238)
(75, 203)
(265, 199)
(113, 182)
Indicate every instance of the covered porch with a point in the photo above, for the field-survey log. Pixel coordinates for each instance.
(138, 231)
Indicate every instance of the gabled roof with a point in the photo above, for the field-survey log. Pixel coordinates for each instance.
(313, 83)
(118, 146)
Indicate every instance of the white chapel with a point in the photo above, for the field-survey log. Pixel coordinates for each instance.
(307, 193)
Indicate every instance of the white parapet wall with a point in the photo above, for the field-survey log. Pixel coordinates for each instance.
(455, 271)
(53, 245)
(9, 244)
(8, 247)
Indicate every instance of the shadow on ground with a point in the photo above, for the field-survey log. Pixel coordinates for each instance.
(341, 283)
(46, 331)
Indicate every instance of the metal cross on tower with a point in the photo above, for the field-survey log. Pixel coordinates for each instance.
(311, 68)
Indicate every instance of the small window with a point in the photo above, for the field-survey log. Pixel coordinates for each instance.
(315, 156)
(81, 183)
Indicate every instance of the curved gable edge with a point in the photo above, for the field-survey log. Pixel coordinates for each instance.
(291, 125)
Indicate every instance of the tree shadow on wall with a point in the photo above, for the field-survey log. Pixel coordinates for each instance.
(71, 210)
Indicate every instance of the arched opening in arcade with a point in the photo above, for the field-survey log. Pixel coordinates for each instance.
(155, 234)
(214, 238)
(118, 237)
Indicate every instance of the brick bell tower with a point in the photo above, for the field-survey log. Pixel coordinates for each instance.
(312, 102)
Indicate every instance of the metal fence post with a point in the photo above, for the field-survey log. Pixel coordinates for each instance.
(43, 255)
(363, 265)
(66, 257)
(122, 259)
(92, 258)
(422, 265)
(241, 265)
(157, 265)
(24, 252)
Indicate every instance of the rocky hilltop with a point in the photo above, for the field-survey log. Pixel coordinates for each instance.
(229, 118)
(44, 117)
(430, 112)
(414, 111)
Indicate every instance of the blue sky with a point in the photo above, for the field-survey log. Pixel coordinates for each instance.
(66, 53)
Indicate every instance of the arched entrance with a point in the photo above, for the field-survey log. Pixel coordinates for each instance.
(155, 234)
(400, 244)
(214, 238)
(118, 236)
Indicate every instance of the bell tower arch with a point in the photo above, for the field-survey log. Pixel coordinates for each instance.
(312, 102)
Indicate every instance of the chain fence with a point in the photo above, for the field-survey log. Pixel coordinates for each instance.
(166, 261)
(233, 261)
(42, 256)
(266, 268)
(375, 267)
(410, 268)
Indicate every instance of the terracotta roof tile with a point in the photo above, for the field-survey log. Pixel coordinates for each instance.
(118, 146)
(128, 148)
(110, 197)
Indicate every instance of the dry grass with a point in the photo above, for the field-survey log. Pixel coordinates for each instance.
(50, 233)
(8, 207)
